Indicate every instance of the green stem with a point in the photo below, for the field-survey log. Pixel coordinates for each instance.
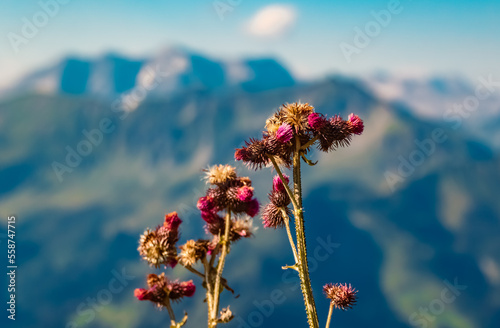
(208, 282)
(173, 323)
(305, 282)
(309, 143)
(220, 267)
(329, 315)
(290, 238)
(287, 188)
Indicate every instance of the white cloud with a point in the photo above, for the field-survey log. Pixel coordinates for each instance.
(272, 21)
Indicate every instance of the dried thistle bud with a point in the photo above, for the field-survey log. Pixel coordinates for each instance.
(274, 122)
(241, 228)
(154, 279)
(342, 296)
(357, 126)
(157, 247)
(225, 315)
(219, 174)
(193, 251)
(296, 115)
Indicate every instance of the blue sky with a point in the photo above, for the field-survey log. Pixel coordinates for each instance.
(425, 37)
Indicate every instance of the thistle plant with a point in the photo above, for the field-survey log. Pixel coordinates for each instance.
(290, 135)
(226, 210)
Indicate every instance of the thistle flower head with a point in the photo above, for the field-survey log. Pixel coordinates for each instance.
(162, 289)
(245, 193)
(193, 251)
(342, 296)
(206, 204)
(219, 174)
(274, 122)
(273, 217)
(253, 154)
(172, 222)
(157, 247)
(252, 207)
(356, 124)
(278, 184)
(178, 290)
(317, 121)
(284, 133)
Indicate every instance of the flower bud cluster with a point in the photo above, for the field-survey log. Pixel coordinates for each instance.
(161, 290)
(294, 123)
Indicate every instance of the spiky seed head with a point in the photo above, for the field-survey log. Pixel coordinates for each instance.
(220, 174)
(342, 296)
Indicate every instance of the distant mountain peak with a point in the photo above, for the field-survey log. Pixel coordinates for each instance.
(171, 70)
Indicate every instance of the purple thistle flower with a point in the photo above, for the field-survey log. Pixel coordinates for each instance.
(278, 184)
(172, 221)
(356, 124)
(284, 133)
(245, 193)
(206, 204)
(253, 207)
(316, 121)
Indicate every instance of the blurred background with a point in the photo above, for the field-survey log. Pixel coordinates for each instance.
(110, 110)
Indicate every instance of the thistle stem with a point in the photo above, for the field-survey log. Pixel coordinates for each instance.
(196, 272)
(288, 191)
(220, 267)
(208, 281)
(305, 282)
(290, 238)
(329, 315)
(173, 323)
(309, 143)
